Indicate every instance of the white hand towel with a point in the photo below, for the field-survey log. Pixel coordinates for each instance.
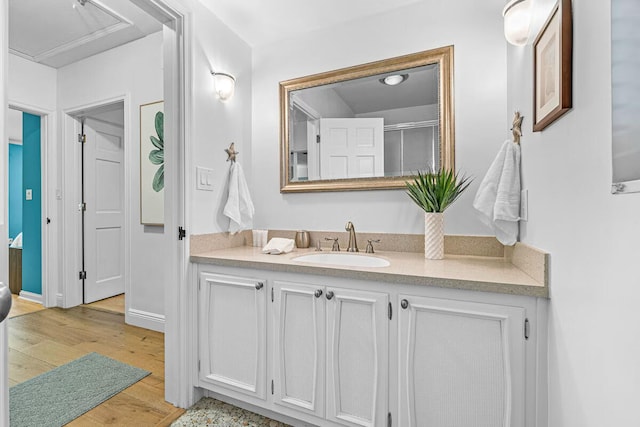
(498, 198)
(278, 245)
(239, 207)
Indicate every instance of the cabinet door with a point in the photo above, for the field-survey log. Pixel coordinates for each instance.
(232, 333)
(357, 357)
(460, 364)
(299, 346)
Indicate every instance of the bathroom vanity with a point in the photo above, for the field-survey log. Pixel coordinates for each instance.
(454, 342)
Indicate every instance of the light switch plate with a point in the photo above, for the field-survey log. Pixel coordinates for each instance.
(28, 194)
(204, 178)
(524, 205)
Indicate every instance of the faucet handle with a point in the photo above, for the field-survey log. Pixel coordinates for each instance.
(369, 249)
(335, 247)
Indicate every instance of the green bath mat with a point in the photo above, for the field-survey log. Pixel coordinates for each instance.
(68, 391)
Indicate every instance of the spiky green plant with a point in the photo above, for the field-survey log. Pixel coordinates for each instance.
(436, 191)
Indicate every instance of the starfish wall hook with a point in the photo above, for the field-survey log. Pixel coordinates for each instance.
(517, 127)
(231, 152)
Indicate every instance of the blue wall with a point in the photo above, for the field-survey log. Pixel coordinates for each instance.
(15, 190)
(31, 209)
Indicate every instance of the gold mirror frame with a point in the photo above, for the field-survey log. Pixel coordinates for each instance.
(442, 56)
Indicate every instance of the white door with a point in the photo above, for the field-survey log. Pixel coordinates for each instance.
(299, 346)
(460, 364)
(351, 148)
(232, 332)
(357, 357)
(104, 217)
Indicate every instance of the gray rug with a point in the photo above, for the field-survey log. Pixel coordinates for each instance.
(214, 413)
(68, 391)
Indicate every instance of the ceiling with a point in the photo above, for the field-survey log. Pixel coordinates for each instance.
(60, 32)
(260, 22)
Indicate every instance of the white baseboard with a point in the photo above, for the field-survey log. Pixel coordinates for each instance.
(58, 300)
(30, 296)
(144, 319)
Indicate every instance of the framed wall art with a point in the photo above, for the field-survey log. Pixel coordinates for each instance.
(552, 71)
(152, 163)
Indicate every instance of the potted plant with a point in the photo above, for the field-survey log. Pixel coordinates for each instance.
(434, 192)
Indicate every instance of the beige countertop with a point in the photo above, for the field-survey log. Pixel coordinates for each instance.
(477, 273)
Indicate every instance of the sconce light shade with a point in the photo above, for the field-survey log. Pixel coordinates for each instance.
(224, 84)
(517, 20)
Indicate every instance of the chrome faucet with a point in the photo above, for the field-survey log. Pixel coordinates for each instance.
(353, 245)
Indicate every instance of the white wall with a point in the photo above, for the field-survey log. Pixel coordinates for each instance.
(216, 124)
(134, 69)
(592, 235)
(475, 28)
(32, 84)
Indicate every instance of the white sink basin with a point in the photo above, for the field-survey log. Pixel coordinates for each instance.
(345, 259)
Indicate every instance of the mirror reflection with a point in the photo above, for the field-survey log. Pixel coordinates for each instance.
(381, 125)
(367, 126)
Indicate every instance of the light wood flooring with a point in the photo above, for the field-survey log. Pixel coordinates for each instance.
(113, 304)
(45, 339)
(21, 306)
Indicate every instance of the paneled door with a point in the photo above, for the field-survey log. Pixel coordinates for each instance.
(460, 363)
(357, 357)
(299, 346)
(232, 333)
(351, 148)
(104, 239)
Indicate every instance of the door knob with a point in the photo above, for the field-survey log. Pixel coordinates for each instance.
(329, 294)
(5, 301)
(318, 293)
(259, 286)
(404, 303)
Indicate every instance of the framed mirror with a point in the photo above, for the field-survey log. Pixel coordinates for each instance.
(367, 127)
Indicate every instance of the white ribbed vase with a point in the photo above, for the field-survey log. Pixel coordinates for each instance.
(433, 235)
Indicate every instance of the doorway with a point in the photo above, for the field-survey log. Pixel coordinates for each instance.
(103, 207)
(26, 202)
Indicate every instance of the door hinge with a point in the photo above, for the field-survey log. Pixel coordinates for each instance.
(389, 420)
(526, 329)
(390, 311)
(82, 138)
(82, 207)
(182, 233)
(272, 387)
(318, 139)
(272, 295)
(82, 275)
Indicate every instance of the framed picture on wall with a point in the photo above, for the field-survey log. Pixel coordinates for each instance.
(152, 163)
(552, 52)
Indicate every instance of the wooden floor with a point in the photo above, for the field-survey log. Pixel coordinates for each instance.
(113, 304)
(21, 306)
(40, 341)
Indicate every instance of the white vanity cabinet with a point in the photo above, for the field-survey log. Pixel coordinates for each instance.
(460, 363)
(331, 352)
(232, 333)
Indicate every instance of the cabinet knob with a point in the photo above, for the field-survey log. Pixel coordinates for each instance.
(329, 294)
(318, 293)
(259, 286)
(404, 303)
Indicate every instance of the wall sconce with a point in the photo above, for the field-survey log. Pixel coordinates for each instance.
(517, 20)
(224, 84)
